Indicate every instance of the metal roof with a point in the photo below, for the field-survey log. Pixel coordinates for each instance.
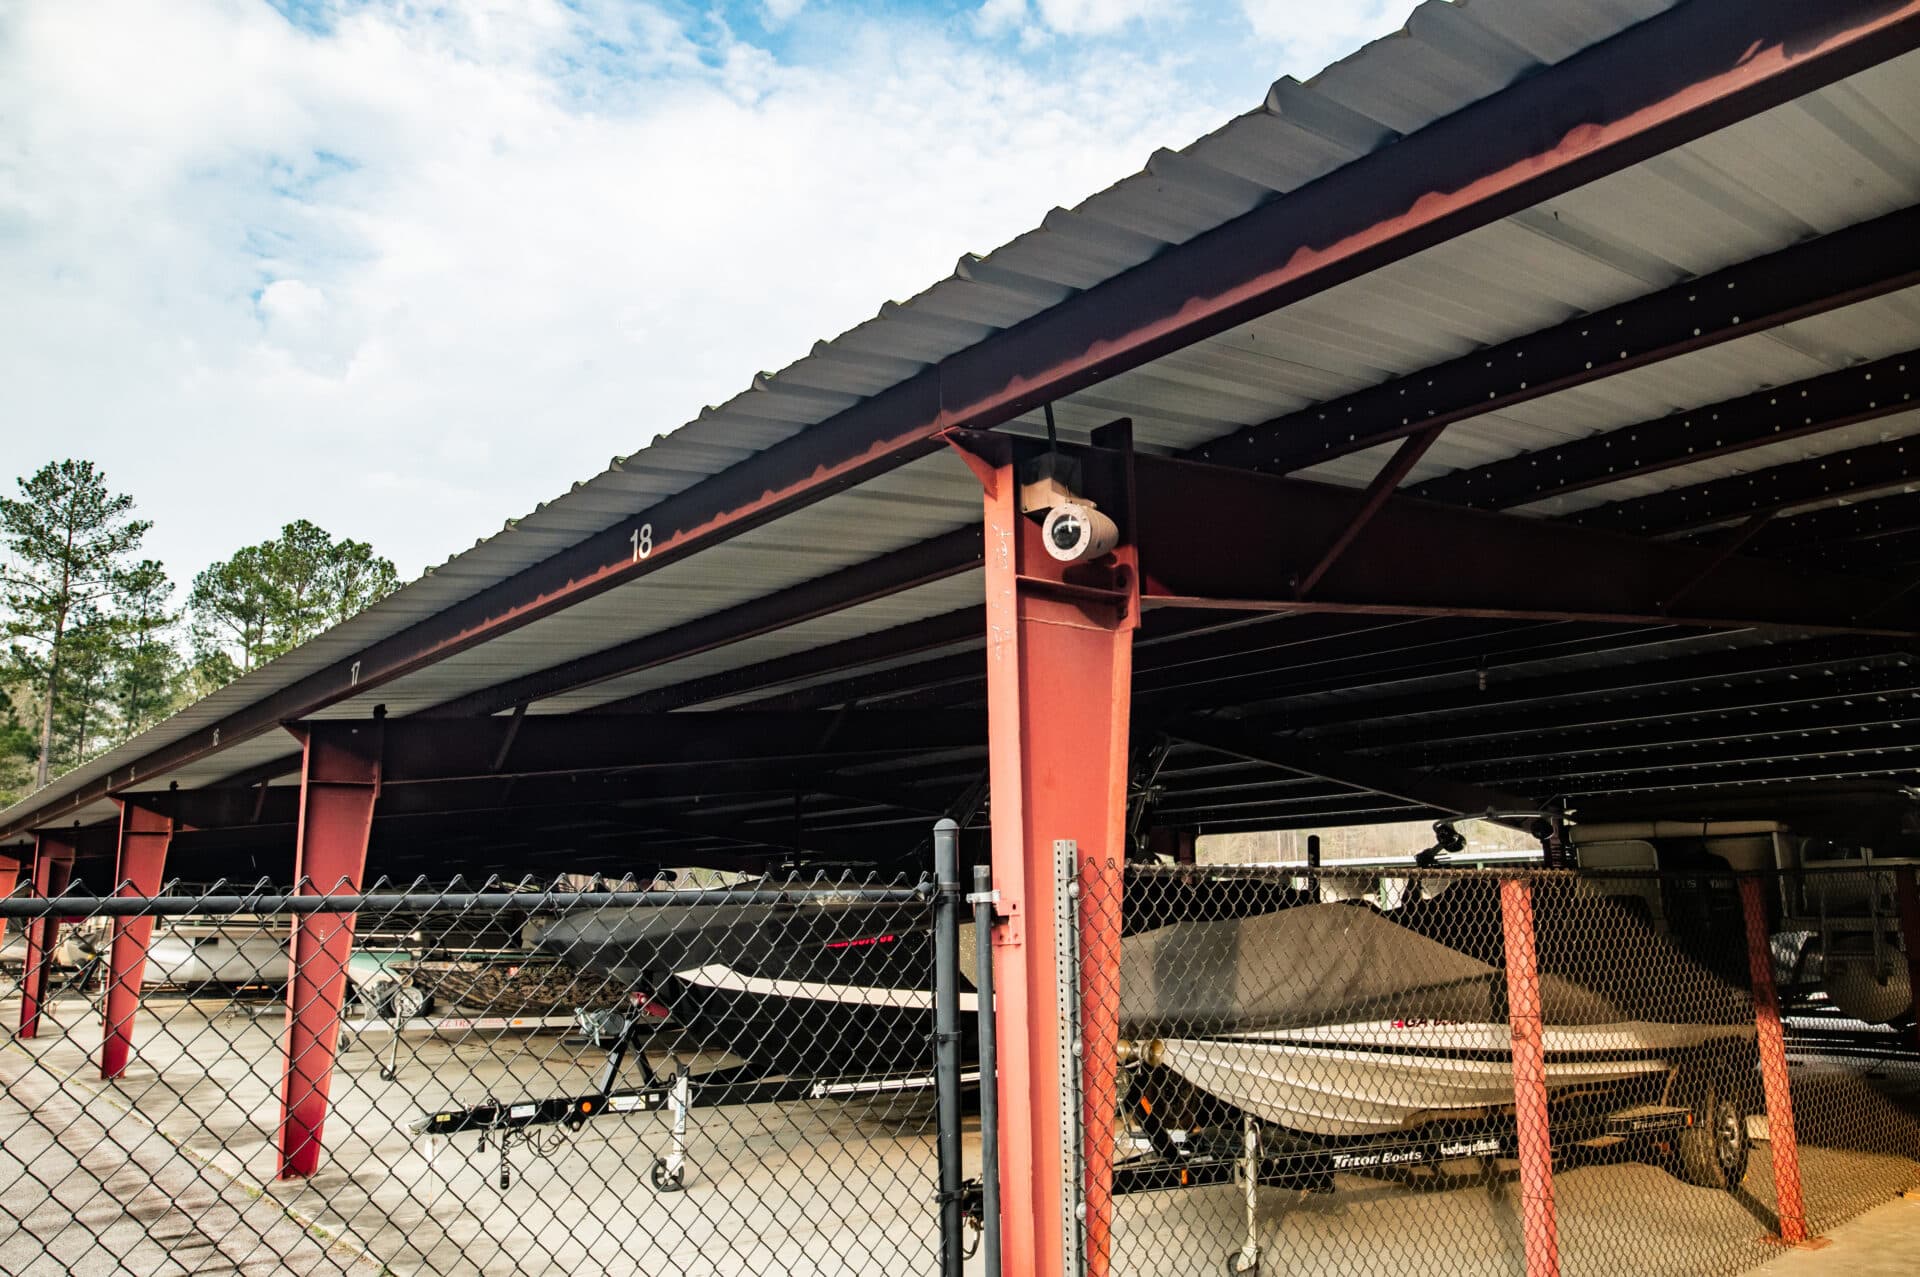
(1813, 166)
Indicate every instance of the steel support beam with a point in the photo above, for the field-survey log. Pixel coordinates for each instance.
(1827, 533)
(929, 561)
(1657, 85)
(1424, 788)
(1863, 261)
(52, 869)
(408, 809)
(923, 638)
(1426, 559)
(1058, 679)
(420, 750)
(1701, 505)
(339, 782)
(138, 871)
(1775, 415)
(1725, 706)
(1635, 684)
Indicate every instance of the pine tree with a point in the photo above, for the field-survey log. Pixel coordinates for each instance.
(68, 539)
(271, 597)
(147, 671)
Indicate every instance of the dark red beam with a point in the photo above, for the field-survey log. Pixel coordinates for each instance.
(1676, 698)
(929, 561)
(1774, 415)
(1816, 753)
(1373, 775)
(1259, 532)
(1818, 533)
(929, 637)
(1415, 648)
(1813, 661)
(1707, 732)
(432, 750)
(1781, 487)
(1659, 84)
(1849, 266)
(553, 797)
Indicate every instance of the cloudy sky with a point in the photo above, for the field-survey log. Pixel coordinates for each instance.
(407, 269)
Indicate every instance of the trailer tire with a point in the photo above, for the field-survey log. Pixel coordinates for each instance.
(664, 1180)
(1712, 1153)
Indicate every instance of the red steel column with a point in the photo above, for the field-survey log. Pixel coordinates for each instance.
(1059, 668)
(1773, 1067)
(1909, 901)
(52, 867)
(138, 865)
(9, 879)
(339, 781)
(1542, 1233)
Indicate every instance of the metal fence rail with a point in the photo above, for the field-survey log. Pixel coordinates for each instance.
(532, 1080)
(1452, 1071)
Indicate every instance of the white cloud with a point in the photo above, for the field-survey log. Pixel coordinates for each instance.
(996, 16)
(1067, 17)
(415, 274)
(1096, 17)
(1314, 33)
(783, 11)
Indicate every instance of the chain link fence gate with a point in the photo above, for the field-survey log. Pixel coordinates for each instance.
(523, 1079)
(1493, 1072)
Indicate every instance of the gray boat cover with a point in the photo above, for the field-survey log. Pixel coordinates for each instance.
(1344, 963)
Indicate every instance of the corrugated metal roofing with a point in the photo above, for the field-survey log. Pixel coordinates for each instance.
(1812, 166)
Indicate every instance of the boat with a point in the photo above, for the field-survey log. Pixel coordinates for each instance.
(1395, 1029)
(1401, 1022)
(823, 982)
(200, 959)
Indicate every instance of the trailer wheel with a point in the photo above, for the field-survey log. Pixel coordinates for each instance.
(665, 1180)
(1713, 1151)
(407, 1002)
(1238, 1265)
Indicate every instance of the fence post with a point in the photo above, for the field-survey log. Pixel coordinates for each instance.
(983, 924)
(139, 863)
(946, 1036)
(52, 865)
(1541, 1233)
(1781, 1135)
(1909, 901)
(339, 782)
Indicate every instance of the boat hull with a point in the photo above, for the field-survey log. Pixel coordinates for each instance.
(1375, 1078)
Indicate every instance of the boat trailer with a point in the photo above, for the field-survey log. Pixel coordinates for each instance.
(542, 1126)
(1260, 1156)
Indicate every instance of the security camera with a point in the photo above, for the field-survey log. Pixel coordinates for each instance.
(1078, 533)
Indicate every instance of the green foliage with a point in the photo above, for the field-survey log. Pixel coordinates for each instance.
(92, 653)
(271, 597)
(148, 672)
(68, 539)
(19, 747)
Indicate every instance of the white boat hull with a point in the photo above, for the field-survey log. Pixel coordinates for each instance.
(1374, 1078)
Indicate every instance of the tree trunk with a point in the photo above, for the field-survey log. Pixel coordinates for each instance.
(44, 770)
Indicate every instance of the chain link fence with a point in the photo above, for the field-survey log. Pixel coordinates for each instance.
(528, 1080)
(1457, 1071)
(1335, 1069)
